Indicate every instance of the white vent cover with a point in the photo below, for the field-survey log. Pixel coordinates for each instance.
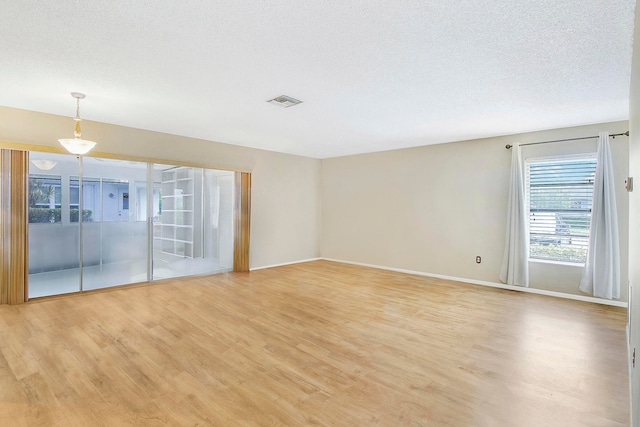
(284, 101)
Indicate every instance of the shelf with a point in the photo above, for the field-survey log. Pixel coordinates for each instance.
(168, 239)
(176, 220)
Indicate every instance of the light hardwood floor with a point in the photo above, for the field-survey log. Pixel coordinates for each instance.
(318, 343)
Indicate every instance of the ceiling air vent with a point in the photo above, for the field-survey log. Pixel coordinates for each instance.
(284, 101)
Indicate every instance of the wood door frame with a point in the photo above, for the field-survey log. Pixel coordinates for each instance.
(242, 220)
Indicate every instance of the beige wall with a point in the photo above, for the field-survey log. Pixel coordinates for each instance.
(285, 221)
(433, 209)
(634, 221)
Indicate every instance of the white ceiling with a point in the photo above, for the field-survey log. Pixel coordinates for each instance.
(372, 74)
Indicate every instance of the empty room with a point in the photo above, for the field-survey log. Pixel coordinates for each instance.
(359, 213)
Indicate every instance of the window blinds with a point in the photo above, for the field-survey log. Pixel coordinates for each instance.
(560, 199)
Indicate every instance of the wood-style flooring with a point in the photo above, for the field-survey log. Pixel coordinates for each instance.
(319, 343)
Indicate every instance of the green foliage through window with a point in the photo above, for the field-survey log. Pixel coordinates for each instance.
(45, 201)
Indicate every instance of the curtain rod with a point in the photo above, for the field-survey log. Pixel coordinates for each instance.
(508, 146)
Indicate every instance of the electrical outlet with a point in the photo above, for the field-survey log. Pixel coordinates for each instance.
(478, 259)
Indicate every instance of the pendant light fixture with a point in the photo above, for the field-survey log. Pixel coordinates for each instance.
(77, 145)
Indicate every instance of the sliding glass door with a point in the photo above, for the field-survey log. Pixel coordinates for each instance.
(95, 223)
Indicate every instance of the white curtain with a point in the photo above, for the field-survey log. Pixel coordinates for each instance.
(515, 263)
(601, 274)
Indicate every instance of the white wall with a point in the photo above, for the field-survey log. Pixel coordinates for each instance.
(285, 206)
(634, 221)
(433, 209)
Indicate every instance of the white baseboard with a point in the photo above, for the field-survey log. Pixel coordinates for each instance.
(491, 284)
(284, 263)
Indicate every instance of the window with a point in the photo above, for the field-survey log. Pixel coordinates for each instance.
(559, 196)
(87, 199)
(44, 198)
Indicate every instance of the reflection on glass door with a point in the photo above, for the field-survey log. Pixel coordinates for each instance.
(194, 232)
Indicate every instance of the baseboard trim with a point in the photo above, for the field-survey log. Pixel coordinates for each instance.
(490, 284)
(284, 263)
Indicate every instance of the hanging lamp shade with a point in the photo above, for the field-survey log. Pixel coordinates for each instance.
(44, 164)
(77, 145)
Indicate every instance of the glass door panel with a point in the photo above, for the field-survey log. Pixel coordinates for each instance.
(193, 233)
(54, 266)
(114, 237)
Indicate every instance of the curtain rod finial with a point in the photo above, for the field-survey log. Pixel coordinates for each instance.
(508, 146)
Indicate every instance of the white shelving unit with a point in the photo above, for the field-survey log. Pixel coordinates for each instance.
(176, 228)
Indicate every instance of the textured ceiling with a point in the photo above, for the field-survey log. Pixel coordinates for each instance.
(372, 74)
